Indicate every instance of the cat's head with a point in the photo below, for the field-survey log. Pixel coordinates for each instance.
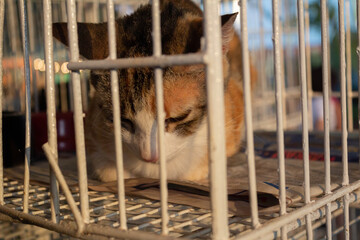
(184, 86)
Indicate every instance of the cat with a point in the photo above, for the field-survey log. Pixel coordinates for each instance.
(184, 94)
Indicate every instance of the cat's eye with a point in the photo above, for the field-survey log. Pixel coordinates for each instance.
(178, 118)
(127, 125)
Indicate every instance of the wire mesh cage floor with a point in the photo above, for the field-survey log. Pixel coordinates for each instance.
(143, 214)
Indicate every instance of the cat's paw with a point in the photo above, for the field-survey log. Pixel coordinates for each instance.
(109, 174)
(197, 175)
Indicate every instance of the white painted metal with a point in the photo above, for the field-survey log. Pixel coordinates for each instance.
(70, 94)
(160, 113)
(325, 71)
(116, 115)
(216, 119)
(95, 13)
(262, 82)
(282, 61)
(344, 131)
(279, 111)
(329, 53)
(78, 112)
(349, 94)
(304, 111)
(83, 82)
(32, 50)
(156, 62)
(80, 10)
(308, 65)
(55, 167)
(248, 114)
(25, 43)
(51, 105)
(2, 8)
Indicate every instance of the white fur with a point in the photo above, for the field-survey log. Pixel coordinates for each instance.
(183, 154)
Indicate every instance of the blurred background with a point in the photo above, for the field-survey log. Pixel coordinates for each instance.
(261, 51)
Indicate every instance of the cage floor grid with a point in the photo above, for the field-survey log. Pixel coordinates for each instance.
(142, 214)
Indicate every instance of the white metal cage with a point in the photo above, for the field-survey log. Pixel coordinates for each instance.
(91, 214)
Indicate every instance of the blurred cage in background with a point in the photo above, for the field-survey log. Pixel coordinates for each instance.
(146, 215)
(261, 52)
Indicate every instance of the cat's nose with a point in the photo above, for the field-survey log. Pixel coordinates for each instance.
(152, 159)
(148, 148)
(149, 156)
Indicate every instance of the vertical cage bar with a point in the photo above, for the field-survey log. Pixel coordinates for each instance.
(344, 133)
(343, 92)
(279, 111)
(289, 54)
(63, 11)
(117, 114)
(78, 111)
(329, 54)
(51, 106)
(263, 83)
(325, 72)
(80, 10)
(304, 111)
(308, 65)
(348, 68)
(14, 32)
(346, 217)
(248, 114)
(63, 84)
(160, 115)
(95, 11)
(282, 55)
(2, 7)
(25, 43)
(83, 82)
(216, 120)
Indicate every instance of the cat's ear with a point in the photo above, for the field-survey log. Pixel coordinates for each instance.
(93, 38)
(162, 3)
(227, 30)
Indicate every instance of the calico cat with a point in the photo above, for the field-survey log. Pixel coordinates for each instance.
(184, 94)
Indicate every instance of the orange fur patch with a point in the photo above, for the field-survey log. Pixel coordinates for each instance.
(179, 95)
(234, 112)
